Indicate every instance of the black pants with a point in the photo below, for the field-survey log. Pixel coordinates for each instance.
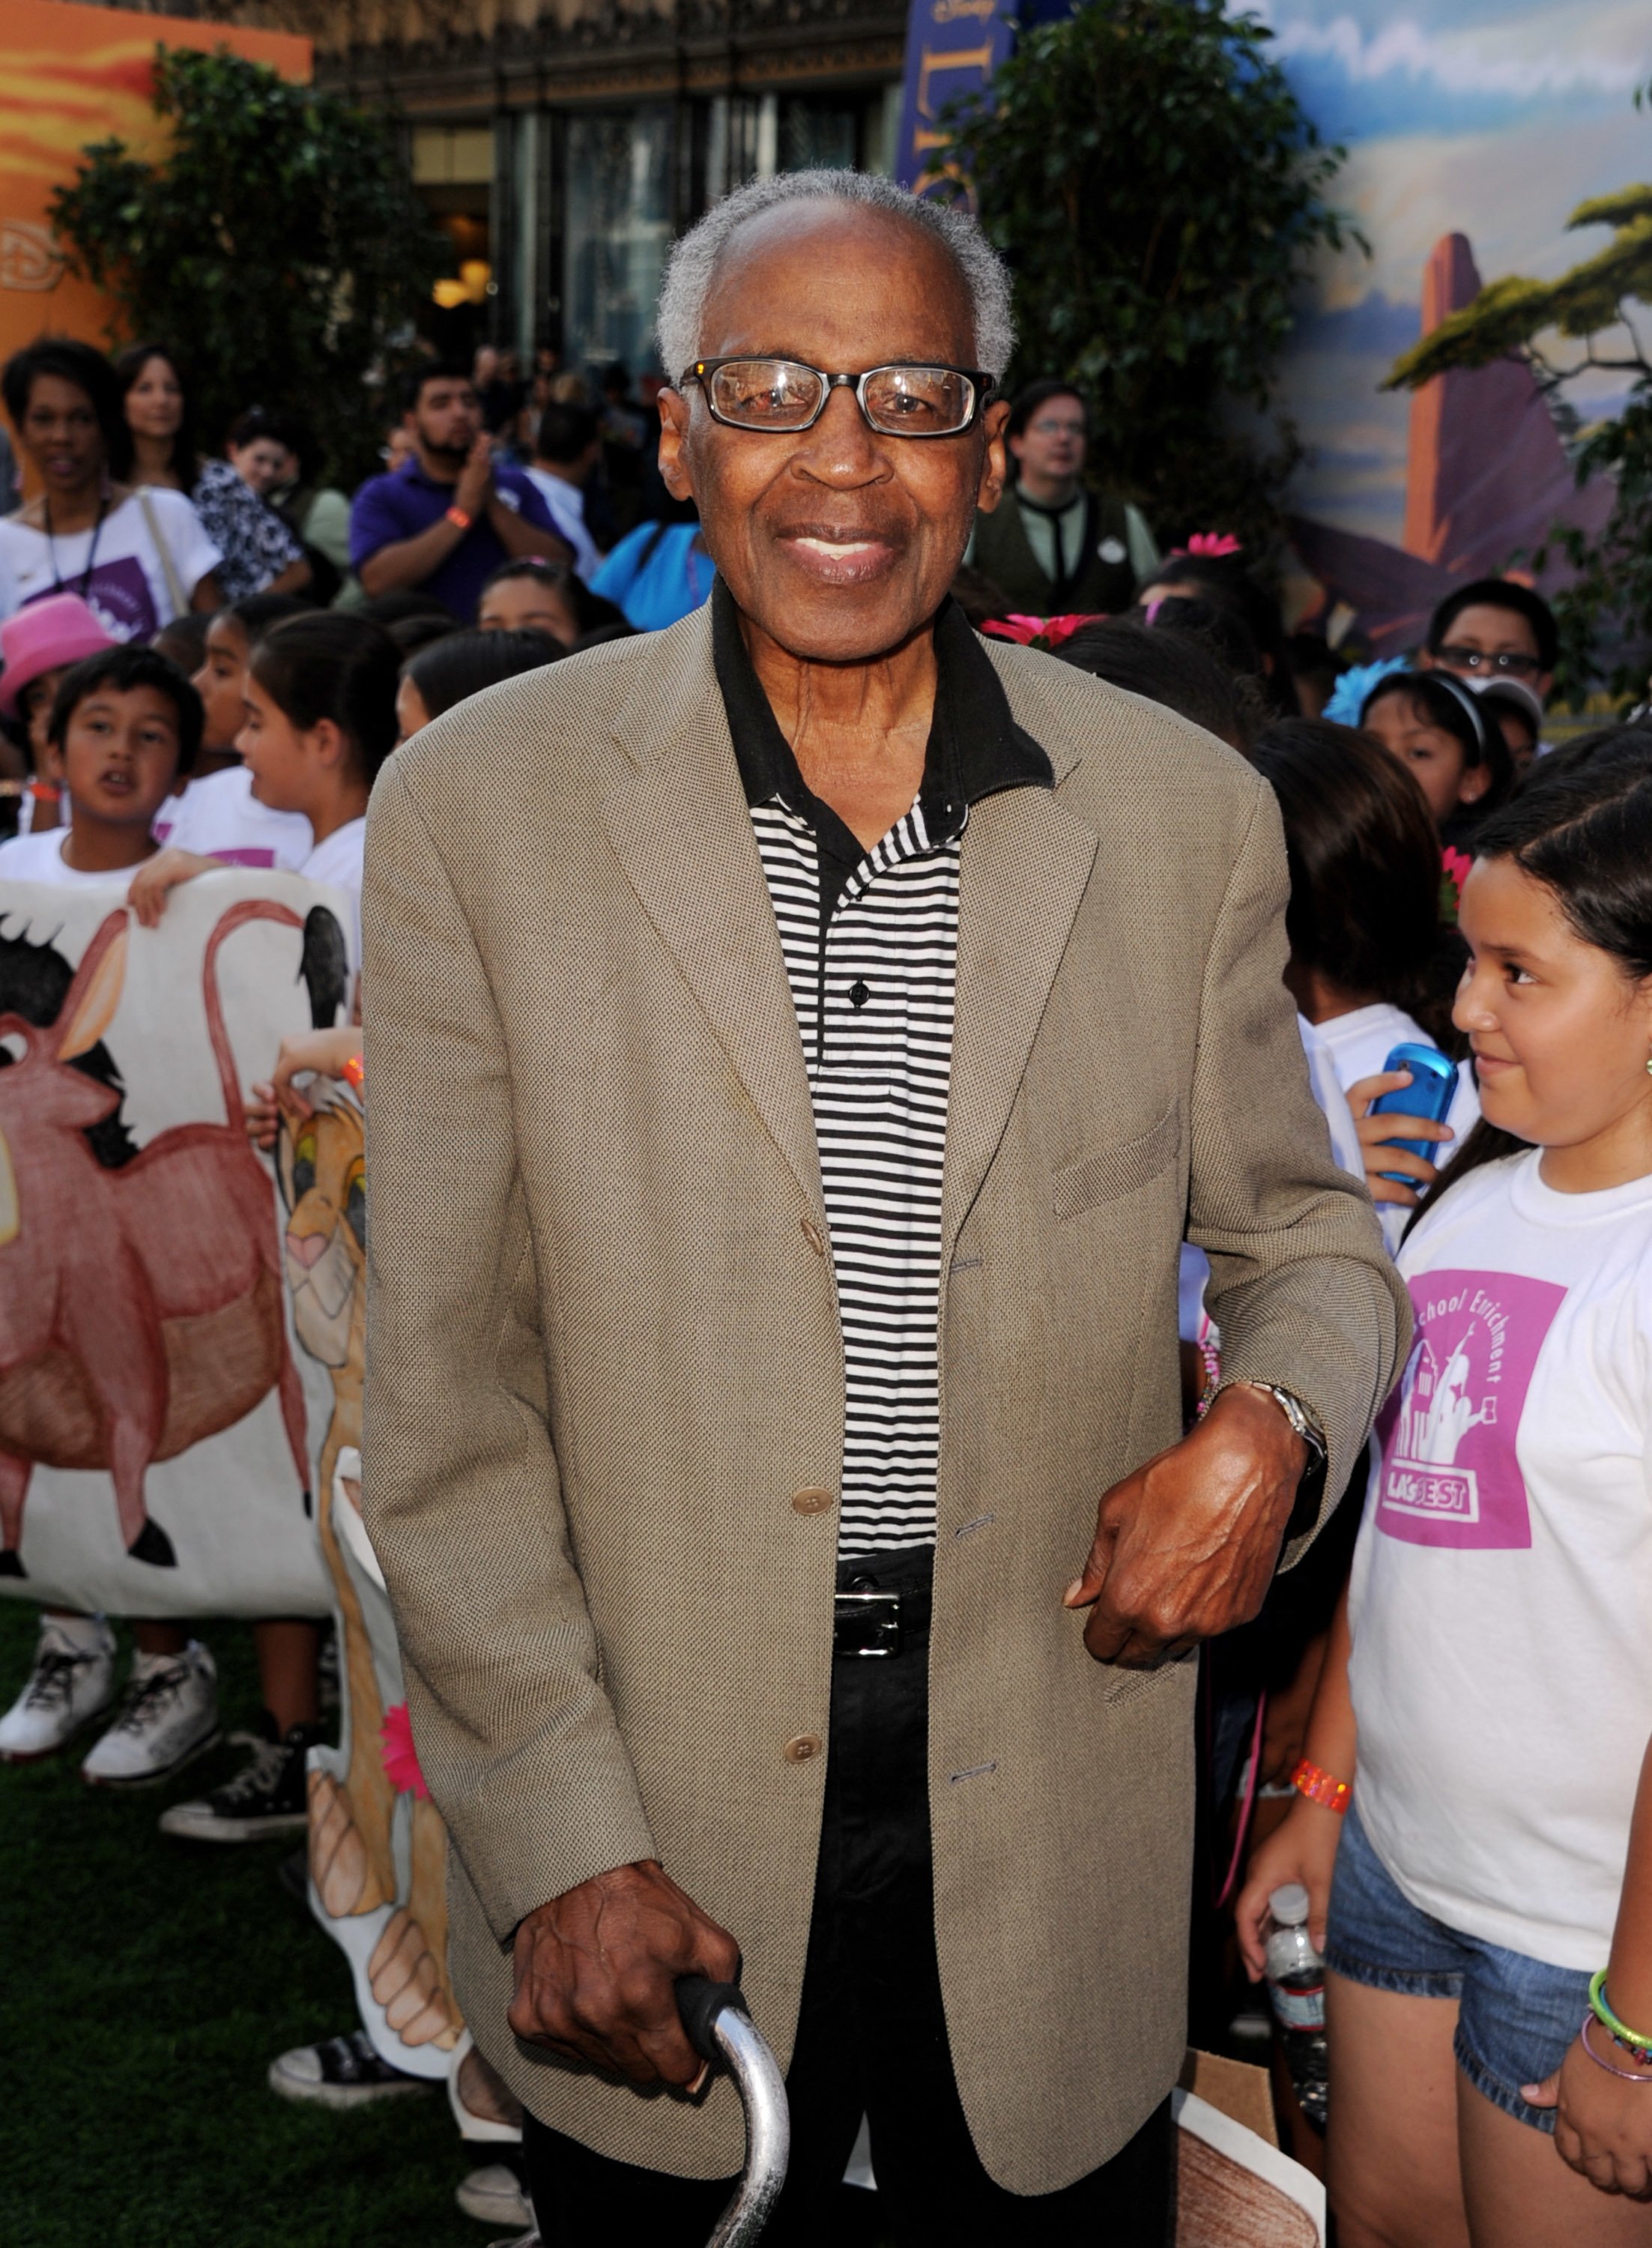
(872, 2034)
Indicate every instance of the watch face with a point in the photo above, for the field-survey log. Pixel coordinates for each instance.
(1110, 549)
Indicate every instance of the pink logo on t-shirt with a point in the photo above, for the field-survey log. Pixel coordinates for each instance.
(1449, 1474)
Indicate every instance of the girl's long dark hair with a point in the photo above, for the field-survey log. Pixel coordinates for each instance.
(1586, 836)
(461, 664)
(1364, 863)
(333, 664)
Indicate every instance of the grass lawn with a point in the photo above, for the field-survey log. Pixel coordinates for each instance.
(147, 1985)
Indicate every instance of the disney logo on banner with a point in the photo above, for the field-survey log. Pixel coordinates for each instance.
(953, 48)
(28, 257)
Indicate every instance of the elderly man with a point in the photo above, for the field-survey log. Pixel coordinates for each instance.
(785, 1125)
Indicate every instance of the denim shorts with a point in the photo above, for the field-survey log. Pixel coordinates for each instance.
(1517, 2016)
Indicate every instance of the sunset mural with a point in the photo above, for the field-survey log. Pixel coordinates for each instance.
(70, 76)
(1474, 128)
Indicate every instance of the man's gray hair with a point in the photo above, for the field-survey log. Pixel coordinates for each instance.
(694, 261)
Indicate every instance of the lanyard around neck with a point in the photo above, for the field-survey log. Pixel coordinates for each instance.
(92, 551)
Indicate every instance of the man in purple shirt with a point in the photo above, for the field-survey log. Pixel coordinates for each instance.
(446, 519)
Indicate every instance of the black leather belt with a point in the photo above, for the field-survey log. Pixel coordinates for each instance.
(865, 1622)
(883, 1602)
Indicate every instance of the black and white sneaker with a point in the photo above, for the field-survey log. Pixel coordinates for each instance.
(266, 1797)
(340, 2072)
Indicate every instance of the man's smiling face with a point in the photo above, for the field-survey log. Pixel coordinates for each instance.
(838, 542)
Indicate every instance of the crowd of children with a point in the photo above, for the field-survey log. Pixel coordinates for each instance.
(1449, 1694)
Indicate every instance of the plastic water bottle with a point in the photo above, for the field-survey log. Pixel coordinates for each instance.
(1296, 1990)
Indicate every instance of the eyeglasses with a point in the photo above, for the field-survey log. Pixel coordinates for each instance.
(1508, 663)
(784, 396)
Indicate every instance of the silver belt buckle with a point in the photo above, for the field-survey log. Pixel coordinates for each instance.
(866, 1623)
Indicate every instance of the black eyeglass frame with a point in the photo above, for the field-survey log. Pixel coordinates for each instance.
(981, 384)
(1505, 663)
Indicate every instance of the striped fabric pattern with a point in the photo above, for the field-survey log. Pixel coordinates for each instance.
(874, 989)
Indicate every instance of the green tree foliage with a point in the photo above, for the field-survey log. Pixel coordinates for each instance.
(1593, 305)
(1157, 191)
(276, 245)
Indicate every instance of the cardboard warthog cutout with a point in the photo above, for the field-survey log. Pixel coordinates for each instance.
(157, 1427)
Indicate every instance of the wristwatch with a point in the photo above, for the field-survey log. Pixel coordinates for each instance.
(1294, 1411)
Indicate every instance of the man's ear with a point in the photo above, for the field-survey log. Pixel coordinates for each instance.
(673, 437)
(994, 467)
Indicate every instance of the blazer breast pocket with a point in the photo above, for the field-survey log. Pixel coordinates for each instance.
(1113, 1172)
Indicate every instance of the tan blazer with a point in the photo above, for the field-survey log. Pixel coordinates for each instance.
(604, 1355)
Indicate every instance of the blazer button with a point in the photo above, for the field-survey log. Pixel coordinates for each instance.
(802, 1746)
(814, 1236)
(813, 1501)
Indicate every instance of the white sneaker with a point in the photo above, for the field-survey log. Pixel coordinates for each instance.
(73, 1679)
(494, 2195)
(170, 1714)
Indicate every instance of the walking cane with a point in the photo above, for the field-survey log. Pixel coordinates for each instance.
(722, 2031)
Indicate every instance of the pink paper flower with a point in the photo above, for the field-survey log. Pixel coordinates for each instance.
(1454, 869)
(400, 1757)
(1213, 543)
(1036, 632)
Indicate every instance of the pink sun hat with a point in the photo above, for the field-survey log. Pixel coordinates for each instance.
(43, 637)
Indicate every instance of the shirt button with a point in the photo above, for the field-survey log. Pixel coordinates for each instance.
(814, 1236)
(813, 1501)
(858, 992)
(801, 1747)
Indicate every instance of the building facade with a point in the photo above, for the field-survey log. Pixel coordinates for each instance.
(563, 144)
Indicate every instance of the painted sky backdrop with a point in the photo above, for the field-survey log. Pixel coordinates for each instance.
(1489, 118)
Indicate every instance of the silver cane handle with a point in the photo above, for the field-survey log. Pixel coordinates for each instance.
(722, 2031)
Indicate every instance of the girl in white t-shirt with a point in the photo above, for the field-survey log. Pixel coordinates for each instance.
(220, 818)
(320, 719)
(1488, 1672)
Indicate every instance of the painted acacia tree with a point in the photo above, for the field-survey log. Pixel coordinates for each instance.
(1158, 191)
(275, 244)
(1562, 328)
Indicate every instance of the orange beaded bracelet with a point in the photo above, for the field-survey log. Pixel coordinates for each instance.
(1321, 1787)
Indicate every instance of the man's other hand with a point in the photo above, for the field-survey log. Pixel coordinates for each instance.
(596, 1969)
(475, 487)
(1186, 1548)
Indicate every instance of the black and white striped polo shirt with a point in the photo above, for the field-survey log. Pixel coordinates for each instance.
(870, 940)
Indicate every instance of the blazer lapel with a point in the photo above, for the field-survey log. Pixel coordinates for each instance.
(1025, 864)
(676, 817)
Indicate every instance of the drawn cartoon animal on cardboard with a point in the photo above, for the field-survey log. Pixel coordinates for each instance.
(377, 1846)
(144, 1309)
(320, 1166)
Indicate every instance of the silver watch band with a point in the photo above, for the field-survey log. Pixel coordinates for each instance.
(1295, 1412)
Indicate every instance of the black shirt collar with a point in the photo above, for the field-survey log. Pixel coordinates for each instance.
(974, 749)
